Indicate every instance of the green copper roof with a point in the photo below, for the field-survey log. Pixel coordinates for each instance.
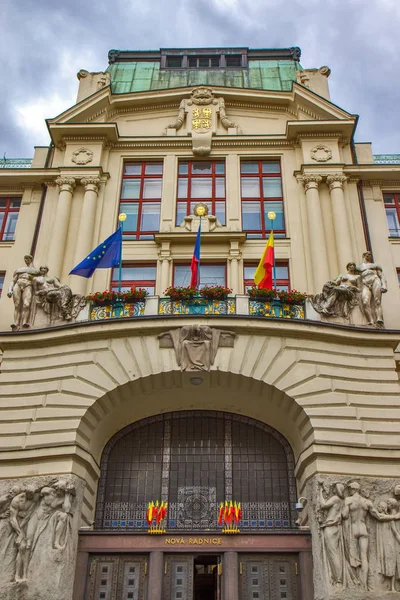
(138, 76)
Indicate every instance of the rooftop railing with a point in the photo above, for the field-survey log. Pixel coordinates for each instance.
(15, 163)
(387, 159)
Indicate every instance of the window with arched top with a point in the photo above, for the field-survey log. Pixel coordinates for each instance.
(194, 460)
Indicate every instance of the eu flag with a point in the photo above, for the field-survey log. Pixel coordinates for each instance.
(107, 254)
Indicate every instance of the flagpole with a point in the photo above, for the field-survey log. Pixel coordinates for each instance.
(271, 217)
(198, 273)
(121, 219)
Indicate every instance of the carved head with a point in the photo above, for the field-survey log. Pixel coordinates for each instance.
(382, 507)
(43, 270)
(28, 259)
(396, 490)
(202, 95)
(60, 485)
(392, 504)
(351, 267)
(339, 488)
(14, 491)
(367, 257)
(30, 491)
(353, 487)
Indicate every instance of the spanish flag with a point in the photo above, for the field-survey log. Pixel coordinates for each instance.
(263, 275)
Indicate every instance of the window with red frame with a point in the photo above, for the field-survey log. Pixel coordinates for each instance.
(398, 275)
(141, 199)
(9, 209)
(2, 277)
(261, 191)
(135, 275)
(282, 275)
(392, 207)
(209, 275)
(201, 181)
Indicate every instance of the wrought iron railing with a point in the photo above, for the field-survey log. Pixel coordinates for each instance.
(15, 163)
(197, 306)
(115, 311)
(387, 159)
(276, 308)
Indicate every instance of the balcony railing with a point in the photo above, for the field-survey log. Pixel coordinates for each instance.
(15, 163)
(387, 159)
(155, 306)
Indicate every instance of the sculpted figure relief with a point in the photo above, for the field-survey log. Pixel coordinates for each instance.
(21, 292)
(373, 285)
(346, 537)
(196, 346)
(33, 521)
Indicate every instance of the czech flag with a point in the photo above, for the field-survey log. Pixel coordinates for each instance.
(263, 275)
(194, 266)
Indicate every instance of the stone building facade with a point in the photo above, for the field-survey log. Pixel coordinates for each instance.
(289, 408)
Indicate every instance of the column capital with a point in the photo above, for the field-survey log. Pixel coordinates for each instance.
(336, 181)
(91, 184)
(66, 184)
(310, 181)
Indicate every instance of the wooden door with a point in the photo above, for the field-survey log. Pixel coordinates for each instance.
(268, 577)
(117, 577)
(178, 580)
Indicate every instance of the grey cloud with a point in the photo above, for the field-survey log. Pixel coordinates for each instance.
(45, 44)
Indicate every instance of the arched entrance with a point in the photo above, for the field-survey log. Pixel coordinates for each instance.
(194, 460)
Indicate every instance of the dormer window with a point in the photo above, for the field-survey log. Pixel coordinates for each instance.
(233, 60)
(203, 62)
(174, 62)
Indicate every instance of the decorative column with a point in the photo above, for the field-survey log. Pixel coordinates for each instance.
(66, 187)
(319, 257)
(231, 575)
(164, 258)
(156, 575)
(84, 242)
(340, 220)
(234, 258)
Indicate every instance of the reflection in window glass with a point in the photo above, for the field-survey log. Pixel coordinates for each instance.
(150, 216)
(130, 189)
(392, 206)
(277, 208)
(272, 187)
(249, 167)
(201, 181)
(182, 188)
(201, 188)
(251, 215)
(133, 169)
(152, 188)
(202, 168)
(250, 187)
(271, 167)
(209, 275)
(131, 211)
(142, 181)
(10, 226)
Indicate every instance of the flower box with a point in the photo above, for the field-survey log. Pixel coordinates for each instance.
(110, 298)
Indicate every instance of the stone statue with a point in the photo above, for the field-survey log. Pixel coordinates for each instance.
(196, 345)
(21, 510)
(21, 292)
(201, 112)
(339, 296)
(373, 285)
(331, 529)
(355, 510)
(55, 299)
(388, 544)
(8, 548)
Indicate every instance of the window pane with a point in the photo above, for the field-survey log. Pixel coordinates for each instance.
(130, 189)
(150, 216)
(174, 61)
(250, 187)
(282, 271)
(212, 275)
(131, 210)
(180, 212)
(2, 276)
(182, 275)
(220, 212)
(133, 169)
(277, 208)
(249, 272)
(154, 169)
(15, 202)
(152, 188)
(388, 198)
(201, 168)
(182, 187)
(193, 61)
(126, 288)
(183, 168)
(220, 168)
(271, 167)
(1, 219)
(393, 222)
(249, 167)
(135, 273)
(272, 187)
(201, 188)
(9, 229)
(3, 202)
(251, 215)
(220, 187)
(204, 61)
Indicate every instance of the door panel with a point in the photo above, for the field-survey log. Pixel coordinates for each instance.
(268, 577)
(117, 578)
(178, 583)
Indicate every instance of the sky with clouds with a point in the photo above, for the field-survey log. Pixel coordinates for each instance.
(45, 43)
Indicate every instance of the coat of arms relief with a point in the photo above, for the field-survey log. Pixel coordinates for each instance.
(201, 113)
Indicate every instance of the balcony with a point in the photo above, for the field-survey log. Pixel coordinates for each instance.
(387, 159)
(15, 163)
(240, 305)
